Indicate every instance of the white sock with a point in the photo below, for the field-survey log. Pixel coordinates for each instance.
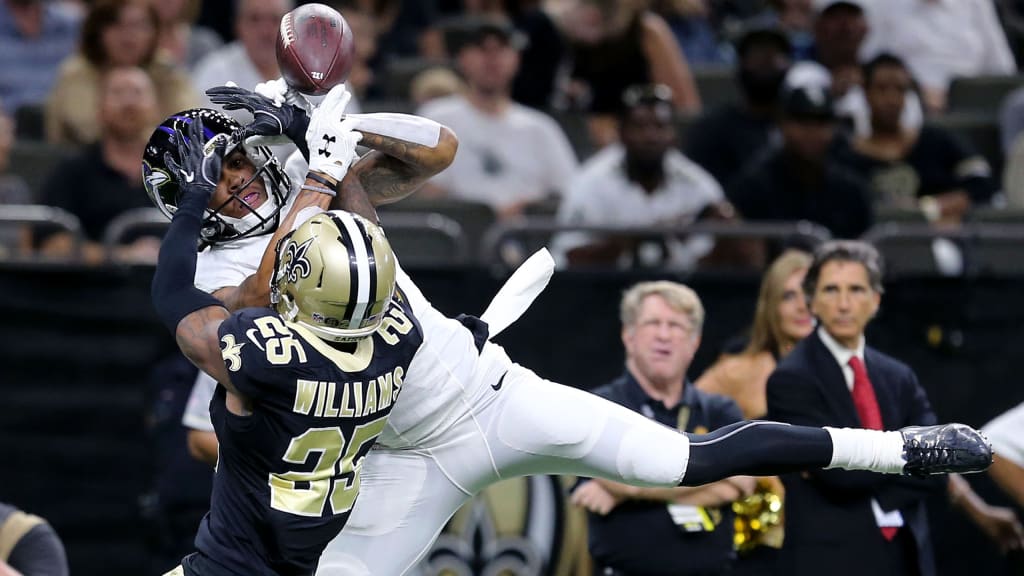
(859, 449)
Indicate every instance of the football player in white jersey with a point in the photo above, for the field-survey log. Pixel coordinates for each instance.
(468, 416)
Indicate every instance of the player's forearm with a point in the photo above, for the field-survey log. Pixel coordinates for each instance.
(405, 152)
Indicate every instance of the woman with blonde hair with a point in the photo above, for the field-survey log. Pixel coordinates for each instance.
(115, 33)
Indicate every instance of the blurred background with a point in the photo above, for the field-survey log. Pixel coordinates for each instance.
(692, 140)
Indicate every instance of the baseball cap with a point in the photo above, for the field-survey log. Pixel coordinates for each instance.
(823, 5)
(807, 102)
(474, 30)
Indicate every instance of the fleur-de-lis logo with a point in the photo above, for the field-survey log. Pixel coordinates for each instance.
(231, 352)
(297, 265)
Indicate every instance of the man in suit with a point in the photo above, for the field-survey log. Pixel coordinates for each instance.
(854, 523)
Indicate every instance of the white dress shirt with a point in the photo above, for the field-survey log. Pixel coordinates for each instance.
(939, 39)
(842, 355)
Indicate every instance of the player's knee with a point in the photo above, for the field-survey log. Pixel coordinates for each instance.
(653, 455)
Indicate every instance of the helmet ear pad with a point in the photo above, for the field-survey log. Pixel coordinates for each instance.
(334, 275)
(162, 185)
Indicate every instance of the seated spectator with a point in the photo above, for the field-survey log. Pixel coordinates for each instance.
(839, 31)
(940, 41)
(105, 179)
(679, 531)
(15, 239)
(725, 137)
(509, 155)
(690, 22)
(252, 58)
(29, 546)
(800, 180)
(180, 38)
(35, 37)
(643, 181)
(617, 45)
(928, 168)
(115, 33)
(796, 19)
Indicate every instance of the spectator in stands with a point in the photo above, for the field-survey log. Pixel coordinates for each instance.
(115, 33)
(796, 19)
(15, 240)
(839, 31)
(940, 41)
(35, 36)
(690, 22)
(929, 168)
(29, 546)
(616, 45)
(800, 180)
(679, 531)
(405, 29)
(541, 57)
(180, 38)
(251, 58)
(642, 181)
(723, 140)
(509, 155)
(434, 83)
(105, 179)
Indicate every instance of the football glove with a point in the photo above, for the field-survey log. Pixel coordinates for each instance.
(331, 137)
(197, 166)
(270, 119)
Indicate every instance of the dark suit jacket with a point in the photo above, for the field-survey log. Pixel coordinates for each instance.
(829, 523)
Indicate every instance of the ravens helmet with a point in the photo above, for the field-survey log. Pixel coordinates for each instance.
(334, 275)
(162, 185)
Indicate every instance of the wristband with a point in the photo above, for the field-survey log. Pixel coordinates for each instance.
(327, 183)
(320, 189)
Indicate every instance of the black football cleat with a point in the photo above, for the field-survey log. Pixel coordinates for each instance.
(944, 449)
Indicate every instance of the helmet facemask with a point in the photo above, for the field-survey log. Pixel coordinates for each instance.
(162, 185)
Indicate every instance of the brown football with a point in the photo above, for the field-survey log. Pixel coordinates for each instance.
(315, 49)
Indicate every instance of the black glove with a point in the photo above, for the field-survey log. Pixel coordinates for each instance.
(268, 119)
(197, 172)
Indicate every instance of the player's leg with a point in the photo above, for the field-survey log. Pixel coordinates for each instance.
(405, 500)
(540, 427)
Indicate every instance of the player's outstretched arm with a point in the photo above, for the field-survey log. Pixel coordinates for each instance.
(192, 315)
(406, 151)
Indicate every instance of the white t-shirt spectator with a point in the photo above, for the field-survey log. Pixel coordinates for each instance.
(940, 39)
(522, 155)
(602, 195)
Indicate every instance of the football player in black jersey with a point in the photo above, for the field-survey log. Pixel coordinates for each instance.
(305, 386)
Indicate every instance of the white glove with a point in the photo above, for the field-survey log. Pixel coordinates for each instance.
(330, 137)
(279, 91)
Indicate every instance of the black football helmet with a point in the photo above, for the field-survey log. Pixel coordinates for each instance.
(162, 185)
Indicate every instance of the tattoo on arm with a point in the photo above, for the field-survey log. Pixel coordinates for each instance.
(352, 197)
(395, 168)
(198, 340)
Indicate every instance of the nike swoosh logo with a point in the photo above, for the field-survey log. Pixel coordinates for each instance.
(251, 335)
(501, 381)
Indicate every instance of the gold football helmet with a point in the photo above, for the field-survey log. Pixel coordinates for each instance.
(334, 275)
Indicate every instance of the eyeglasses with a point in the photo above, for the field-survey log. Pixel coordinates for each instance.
(646, 94)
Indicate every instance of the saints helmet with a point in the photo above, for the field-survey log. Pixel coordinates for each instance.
(334, 275)
(162, 185)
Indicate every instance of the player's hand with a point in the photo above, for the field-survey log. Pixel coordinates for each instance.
(200, 161)
(594, 498)
(331, 137)
(270, 118)
(281, 93)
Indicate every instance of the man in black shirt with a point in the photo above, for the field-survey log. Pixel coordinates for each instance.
(723, 140)
(800, 180)
(105, 179)
(671, 531)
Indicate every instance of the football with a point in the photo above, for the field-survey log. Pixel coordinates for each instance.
(315, 49)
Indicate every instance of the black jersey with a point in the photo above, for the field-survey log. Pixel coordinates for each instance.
(288, 474)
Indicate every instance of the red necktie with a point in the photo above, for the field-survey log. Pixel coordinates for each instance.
(870, 416)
